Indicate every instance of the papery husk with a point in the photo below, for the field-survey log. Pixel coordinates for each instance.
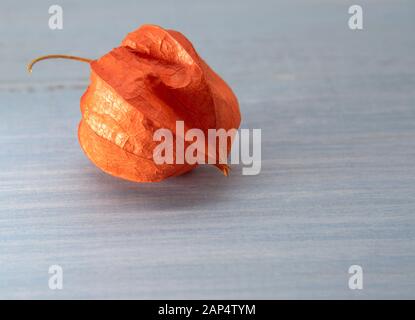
(152, 80)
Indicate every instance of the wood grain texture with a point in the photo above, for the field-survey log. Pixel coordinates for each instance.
(337, 186)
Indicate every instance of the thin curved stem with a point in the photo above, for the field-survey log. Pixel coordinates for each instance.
(55, 56)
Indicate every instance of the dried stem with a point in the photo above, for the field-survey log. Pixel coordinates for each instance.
(55, 56)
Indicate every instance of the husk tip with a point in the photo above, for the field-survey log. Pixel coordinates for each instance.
(224, 168)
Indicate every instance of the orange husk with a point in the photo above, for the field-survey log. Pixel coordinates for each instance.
(152, 80)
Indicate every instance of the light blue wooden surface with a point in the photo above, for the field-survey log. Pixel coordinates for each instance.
(337, 187)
